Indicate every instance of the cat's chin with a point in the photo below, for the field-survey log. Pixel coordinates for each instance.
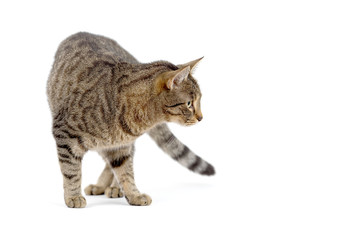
(187, 124)
(183, 123)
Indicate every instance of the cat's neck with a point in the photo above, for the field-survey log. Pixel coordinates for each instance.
(139, 109)
(145, 116)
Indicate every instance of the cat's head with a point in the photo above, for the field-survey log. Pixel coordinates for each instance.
(180, 95)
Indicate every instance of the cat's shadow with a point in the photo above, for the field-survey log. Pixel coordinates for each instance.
(160, 194)
(102, 200)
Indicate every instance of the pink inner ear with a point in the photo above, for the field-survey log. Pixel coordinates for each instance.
(182, 75)
(178, 77)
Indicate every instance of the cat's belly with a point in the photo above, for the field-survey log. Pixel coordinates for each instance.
(117, 140)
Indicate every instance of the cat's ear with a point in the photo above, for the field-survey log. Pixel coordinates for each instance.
(192, 64)
(174, 78)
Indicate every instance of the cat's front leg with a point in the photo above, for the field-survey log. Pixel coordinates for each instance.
(70, 165)
(126, 178)
(121, 161)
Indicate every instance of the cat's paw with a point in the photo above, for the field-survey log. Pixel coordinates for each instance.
(75, 202)
(94, 190)
(139, 200)
(113, 192)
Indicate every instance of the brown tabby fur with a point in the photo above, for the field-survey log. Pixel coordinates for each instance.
(101, 98)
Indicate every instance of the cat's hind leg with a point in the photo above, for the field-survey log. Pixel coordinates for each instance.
(104, 181)
(106, 184)
(114, 191)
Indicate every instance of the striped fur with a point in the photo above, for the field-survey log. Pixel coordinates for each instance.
(164, 138)
(101, 98)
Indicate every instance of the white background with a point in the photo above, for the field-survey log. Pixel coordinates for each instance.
(281, 84)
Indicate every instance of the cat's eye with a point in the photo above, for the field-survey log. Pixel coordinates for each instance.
(189, 104)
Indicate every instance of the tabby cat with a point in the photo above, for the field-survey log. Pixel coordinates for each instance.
(101, 98)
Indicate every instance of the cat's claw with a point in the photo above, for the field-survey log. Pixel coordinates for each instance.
(76, 202)
(113, 192)
(139, 200)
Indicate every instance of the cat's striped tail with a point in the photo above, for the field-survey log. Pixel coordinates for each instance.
(164, 138)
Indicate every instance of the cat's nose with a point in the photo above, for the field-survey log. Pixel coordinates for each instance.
(199, 118)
